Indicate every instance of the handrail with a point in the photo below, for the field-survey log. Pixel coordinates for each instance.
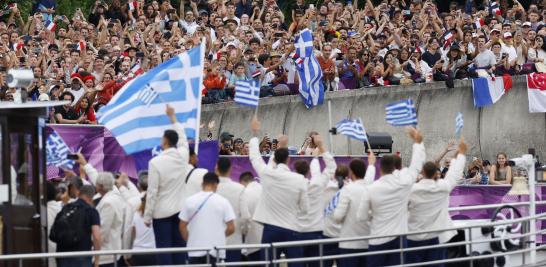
(492, 206)
(272, 245)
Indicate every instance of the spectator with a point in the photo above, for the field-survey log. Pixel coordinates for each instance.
(501, 172)
(91, 234)
(167, 173)
(85, 110)
(204, 225)
(253, 232)
(66, 114)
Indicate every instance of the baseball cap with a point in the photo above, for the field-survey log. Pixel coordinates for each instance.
(526, 24)
(225, 136)
(507, 35)
(494, 30)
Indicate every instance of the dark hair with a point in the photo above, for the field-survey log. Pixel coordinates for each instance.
(301, 166)
(89, 105)
(388, 164)
(211, 178)
(262, 58)
(281, 155)
(397, 162)
(246, 177)
(192, 151)
(341, 171)
(358, 167)
(65, 93)
(254, 41)
(223, 165)
(172, 137)
(429, 170)
(88, 191)
(143, 180)
(51, 191)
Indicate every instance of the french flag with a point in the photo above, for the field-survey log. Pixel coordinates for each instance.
(487, 91)
(479, 23)
(256, 73)
(448, 37)
(81, 45)
(536, 91)
(136, 70)
(297, 59)
(50, 25)
(18, 46)
(494, 8)
(133, 5)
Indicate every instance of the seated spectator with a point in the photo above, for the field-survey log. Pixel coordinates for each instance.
(84, 109)
(501, 172)
(66, 114)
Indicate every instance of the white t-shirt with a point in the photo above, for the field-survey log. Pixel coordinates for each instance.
(510, 51)
(77, 94)
(208, 225)
(144, 236)
(485, 58)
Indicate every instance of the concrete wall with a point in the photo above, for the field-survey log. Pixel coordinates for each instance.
(506, 126)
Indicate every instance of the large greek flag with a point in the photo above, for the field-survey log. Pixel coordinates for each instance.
(57, 152)
(311, 87)
(136, 114)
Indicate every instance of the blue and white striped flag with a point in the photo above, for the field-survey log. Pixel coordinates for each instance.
(247, 92)
(136, 114)
(332, 204)
(353, 129)
(57, 151)
(309, 71)
(459, 124)
(401, 113)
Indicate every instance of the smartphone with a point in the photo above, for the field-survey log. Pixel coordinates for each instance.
(72, 156)
(140, 54)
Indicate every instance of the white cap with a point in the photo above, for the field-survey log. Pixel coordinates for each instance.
(507, 35)
(527, 23)
(43, 97)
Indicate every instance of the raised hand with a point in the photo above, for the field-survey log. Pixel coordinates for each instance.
(463, 147)
(255, 125)
(414, 134)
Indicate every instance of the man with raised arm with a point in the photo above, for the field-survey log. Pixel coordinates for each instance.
(428, 208)
(284, 196)
(385, 203)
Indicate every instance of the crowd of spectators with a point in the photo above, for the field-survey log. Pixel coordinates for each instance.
(87, 58)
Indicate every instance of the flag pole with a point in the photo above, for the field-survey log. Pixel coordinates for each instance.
(330, 123)
(197, 128)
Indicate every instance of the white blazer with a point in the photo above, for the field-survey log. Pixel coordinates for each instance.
(284, 193)
(385, 201)
(347, 208)
(313, 220)
(254, 230)
(429, 203)
(111, 210)
(233, 192)
(166, 179)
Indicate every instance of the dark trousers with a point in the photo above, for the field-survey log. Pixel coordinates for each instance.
(425, 255)
(311, 251)
(78, 261)
(167, 235)
(202, 260)
(233, 255)
(388, 258)
(143, 260)
(272, 234)
(359, 261)
(255, 256)
(329, 250)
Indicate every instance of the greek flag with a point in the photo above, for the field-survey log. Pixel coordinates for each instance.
(459, 123)
(57, 151)
(136, 114)
(401, 113)
(332, 204)
(353, 129)
(311, 87)
(247, 92)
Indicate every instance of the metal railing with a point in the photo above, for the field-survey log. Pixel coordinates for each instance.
(270, 250)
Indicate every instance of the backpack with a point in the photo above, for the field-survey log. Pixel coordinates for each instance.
(69, 229)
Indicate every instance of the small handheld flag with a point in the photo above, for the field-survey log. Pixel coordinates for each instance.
(247, 92)
(133, 5)
(352, 129)
(81, 45)
(57, 152)
(401, 113)
(459, 123)
(50, 25)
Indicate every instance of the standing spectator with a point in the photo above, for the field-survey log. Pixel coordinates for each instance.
(501, 172)
(328, 66)
(90, 235)
(254, 230)
(485, 61)
(111, 213)
(165, 182)
(284, 196)
(206, 219)
(428, 209)
(385, 203)
(349, 70)
(233, 192)
(347, 208)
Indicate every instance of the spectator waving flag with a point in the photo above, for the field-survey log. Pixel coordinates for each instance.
(494, 9)
(487, 91)
(459, 123)
(401, 113)
(57, 152)
(352, 129)
(536, 91)
(247, 92)
(137, 119)
(133, 5)
(50, 25)
(310, 87)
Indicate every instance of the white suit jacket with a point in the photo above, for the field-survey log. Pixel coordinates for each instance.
(166, 179)
(284, 193)
(429, 203)
(233, 192)
(111, 210)
(254, 230)
(385, 202)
